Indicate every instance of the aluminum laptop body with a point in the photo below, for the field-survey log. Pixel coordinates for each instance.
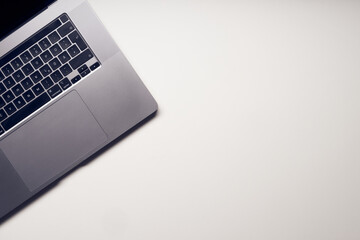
(66, 94)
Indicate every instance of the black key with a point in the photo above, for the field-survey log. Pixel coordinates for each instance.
(26, 57)
(66, 69)
(55, 64)
(38, 89)
(65, 83)
(18, 89)
(44, 44)
(2, 115)
(82, 68)
(35, 50)
(66, 29)
(27, 83)
(2, 102)
(16, 63)
(81, 59)
(94, 66)
(18, 76)
(76, 38)
(27, 69)
(8, 96)
(28, 96)
(30, 41)
(64, 57)
(45, 70)
(26, 111)
(19, 102)
(85, 73)
(54, 37)
(9, 82)
(36, 77)
(55, 50)
(7, 70)
(2, 88)
(2, 77)
(47, 83)
(65, 43)
(73, 51)
(75, 79)
(64, 18)
(37, 63)
(2, 131)
(56, 76)
(46, 56)
(54, 91)
(10, 108)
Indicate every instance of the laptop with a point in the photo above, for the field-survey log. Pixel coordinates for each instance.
(66, 91)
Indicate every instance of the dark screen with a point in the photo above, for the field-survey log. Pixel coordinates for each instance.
(15, 13)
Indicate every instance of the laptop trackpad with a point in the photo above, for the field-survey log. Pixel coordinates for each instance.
(53, 141)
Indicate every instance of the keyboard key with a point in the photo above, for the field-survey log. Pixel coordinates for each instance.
(27, 83)
(73, 51)
(47, 83)
(30, 41)
(36, 77)
(7, 70)
(18, 76)
(19, 102)
(26, 57)
(94, 66)
(66, 29)
(17, 90)
(56, 76)
(75, 38)
(2, 77)
(64, 57)
(38, 89)
(28, 69)
(54, 64)
(35, 50)
(16, 63)
(54, 91)
(85, 73)
(37, 63)
(2, 88)
(9, 82)
(45, 70)
(65, 83)
(46, 56)
(75, 79)
(3, 115)
(10, 108)
(2, 131)
(54, 37)
(64, 18)
(65, 43)
(66, 69)
(2, 102)
(81, 59)
(55, 50)
(82, 68)
(25, 111)
(44, 44)
(8, 96)
(28, 96)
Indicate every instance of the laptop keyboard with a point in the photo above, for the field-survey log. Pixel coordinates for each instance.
(41, 69)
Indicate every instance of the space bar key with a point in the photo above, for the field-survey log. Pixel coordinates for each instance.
(26, 111)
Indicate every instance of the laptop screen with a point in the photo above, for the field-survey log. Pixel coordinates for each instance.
(17, 12)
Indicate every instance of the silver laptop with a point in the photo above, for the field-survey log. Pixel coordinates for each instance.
(66, 91)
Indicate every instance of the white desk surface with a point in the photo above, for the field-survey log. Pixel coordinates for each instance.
(257, 137)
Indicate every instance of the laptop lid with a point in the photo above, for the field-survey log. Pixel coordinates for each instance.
(18, 12)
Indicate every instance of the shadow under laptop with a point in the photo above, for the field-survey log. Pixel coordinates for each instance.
(89, 160)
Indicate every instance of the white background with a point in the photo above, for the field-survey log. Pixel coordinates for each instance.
(257, 136)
